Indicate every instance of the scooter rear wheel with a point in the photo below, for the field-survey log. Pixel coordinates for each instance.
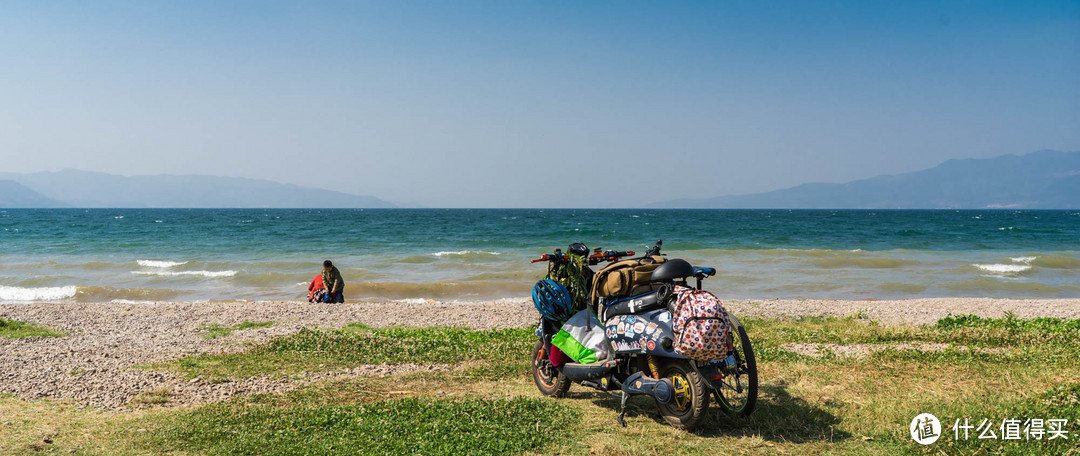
(691, 399)
(548, 379)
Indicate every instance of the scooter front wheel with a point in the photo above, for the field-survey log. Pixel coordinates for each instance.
(548, 379)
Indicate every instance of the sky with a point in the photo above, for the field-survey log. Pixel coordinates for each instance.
(534, 104)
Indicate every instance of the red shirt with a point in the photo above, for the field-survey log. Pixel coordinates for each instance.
(316, 284)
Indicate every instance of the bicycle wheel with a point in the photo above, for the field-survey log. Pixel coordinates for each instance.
(738, 392)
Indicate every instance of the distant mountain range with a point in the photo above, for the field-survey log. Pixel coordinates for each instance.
(1039, 180)
(14, 194)
(71, 188)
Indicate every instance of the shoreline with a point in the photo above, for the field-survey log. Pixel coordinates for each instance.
(94, 364)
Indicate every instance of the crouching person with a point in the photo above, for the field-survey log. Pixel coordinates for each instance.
(332, 282)
(316, 291)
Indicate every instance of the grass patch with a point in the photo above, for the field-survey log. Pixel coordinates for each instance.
(969, 338)
(1010, 330)
(14, 329)
(807, 405)
(401, 426)
(311, 350)
(214, 330)
(153, 397)
(1059, 402)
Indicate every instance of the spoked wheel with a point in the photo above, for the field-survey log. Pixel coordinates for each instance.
(691, 399)
(548, 379)
(739, 388)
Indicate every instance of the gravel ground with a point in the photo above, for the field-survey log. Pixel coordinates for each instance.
(93, 364)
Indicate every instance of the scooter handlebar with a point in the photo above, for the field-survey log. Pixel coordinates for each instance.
(544, 257)
(609, 255)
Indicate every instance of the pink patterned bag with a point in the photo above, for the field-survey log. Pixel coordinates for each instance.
(701, 325)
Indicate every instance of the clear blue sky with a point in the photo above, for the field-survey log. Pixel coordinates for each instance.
(527, 104)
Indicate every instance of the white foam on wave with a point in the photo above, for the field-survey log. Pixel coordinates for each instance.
(1025, 259)
(464, 252)
(130, 301)
(1003, 268)
(160, 264)
(187, 273)
(417, 301)
(37, 294)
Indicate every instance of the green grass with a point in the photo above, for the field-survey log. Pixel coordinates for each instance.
(214, 330)
(13, 329)
(312, 350)
(1033, 372)
(970, 338)
(153, 397)
(400, 426)
(994, 368)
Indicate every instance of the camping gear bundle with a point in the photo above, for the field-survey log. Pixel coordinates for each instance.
(699, 321)
(626, 277)
(656, 336)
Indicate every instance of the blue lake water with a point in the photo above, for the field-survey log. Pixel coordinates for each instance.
(197, 254)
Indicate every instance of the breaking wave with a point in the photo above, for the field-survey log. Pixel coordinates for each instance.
(466, 253)
(1003, 268)
(187, 273)
(37, 294)
(1020, 264)
(160, 264)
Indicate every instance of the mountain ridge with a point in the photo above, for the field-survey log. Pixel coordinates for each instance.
(16, 195)
(1044, 179)
(91, 189)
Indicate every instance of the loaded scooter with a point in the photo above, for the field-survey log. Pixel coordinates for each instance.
(643, 358)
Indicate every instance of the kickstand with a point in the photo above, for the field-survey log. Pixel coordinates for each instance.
(622, 409)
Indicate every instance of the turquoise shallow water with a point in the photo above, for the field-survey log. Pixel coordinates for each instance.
(195, 254)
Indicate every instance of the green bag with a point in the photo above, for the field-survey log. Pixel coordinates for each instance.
(582, 338)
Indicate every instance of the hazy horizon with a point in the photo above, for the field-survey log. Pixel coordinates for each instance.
(533, 104)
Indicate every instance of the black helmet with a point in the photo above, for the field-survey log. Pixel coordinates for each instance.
(671, 270)
(578, 249)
